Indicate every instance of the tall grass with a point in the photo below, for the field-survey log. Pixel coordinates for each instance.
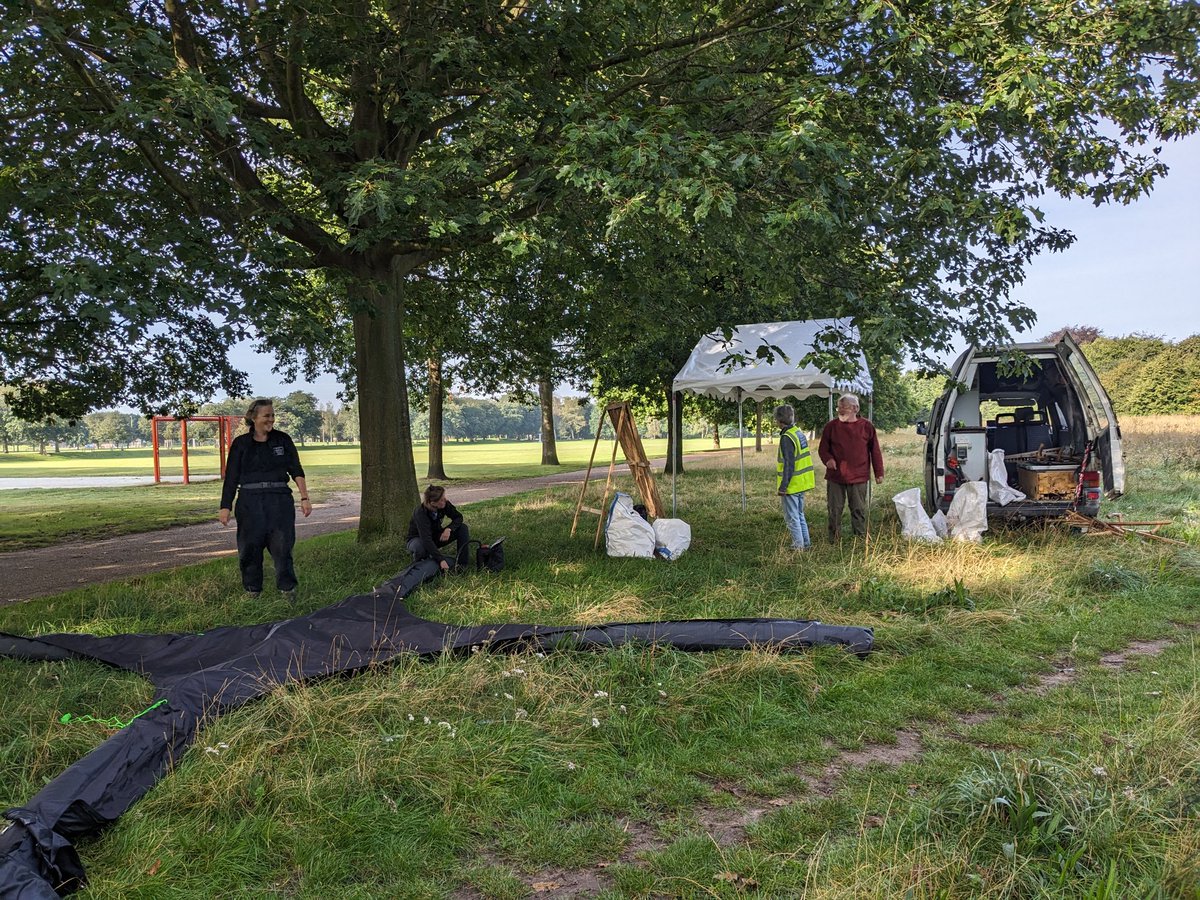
(488, 773)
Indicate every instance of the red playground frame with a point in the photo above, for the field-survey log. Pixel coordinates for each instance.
(225, 428)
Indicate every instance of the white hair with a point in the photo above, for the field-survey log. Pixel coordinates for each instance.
(785, 415)
(851, 399)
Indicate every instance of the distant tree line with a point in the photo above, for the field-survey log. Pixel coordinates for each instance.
(307, 420)
(1146, 375)
(1143, 374)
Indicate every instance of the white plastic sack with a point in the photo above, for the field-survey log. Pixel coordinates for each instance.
(671, 537)
(938, 521)
(627, 533)
(966, 519)
(914, 521)
(998, 480)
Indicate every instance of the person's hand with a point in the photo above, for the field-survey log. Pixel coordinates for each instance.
(445, 566)
(831, 464)
(879, 479)
(306, 507)
(223, 517)
(445, 534)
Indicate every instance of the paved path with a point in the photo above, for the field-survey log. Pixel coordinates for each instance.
(52, 570)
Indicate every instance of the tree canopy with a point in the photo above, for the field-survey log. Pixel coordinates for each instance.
(889, 154)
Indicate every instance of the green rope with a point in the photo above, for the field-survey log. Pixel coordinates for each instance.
(114, 722)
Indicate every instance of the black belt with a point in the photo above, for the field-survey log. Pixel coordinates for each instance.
(262, 485)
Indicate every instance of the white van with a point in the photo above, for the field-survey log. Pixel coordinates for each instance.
(1050, 416)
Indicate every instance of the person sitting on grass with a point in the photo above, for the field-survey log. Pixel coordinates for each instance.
(426, 535)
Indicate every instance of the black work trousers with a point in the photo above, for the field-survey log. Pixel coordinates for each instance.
(459, 533)
(266, 520)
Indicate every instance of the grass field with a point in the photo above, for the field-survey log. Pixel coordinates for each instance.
(481, 460)
(1028, 726)
(38, 517)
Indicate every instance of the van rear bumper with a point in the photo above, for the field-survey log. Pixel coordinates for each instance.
(1024, 510)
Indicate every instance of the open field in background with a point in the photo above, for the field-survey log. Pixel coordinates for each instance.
(481, 460)
(40, 517)
(1029, 725)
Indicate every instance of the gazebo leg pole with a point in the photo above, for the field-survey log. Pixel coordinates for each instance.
(741, 450)
(673, 450)
(871, 416)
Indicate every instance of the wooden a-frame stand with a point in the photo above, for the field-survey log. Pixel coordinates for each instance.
(626, 436)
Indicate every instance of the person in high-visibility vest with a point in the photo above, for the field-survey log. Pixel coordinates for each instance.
(793, 475)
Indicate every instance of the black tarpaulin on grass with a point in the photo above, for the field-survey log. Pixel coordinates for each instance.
(200, 676)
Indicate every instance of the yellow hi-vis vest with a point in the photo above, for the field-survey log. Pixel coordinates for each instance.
(803, 478)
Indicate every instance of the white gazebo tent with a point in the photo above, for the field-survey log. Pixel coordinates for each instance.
(732, 370)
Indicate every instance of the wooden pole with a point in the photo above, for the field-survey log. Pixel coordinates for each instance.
(154, 443)
(612, 463)
(183, 439)
(587, 475)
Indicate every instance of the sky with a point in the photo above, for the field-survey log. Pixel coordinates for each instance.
(1132, 268)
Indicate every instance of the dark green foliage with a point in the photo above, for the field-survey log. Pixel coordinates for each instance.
(1146, 375)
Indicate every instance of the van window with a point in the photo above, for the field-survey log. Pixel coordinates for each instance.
(1084, 379)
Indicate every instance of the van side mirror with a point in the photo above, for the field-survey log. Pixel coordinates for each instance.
(922, 428)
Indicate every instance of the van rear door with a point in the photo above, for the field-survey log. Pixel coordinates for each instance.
(937, 440)
(1107, 441)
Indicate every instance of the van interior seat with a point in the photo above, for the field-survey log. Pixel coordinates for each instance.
(1020, 431)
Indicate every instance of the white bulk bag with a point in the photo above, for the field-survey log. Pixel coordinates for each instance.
(671, 537)
(627, 533)
(966, 519)
(938, 521)
(998, 480)
(914, 521)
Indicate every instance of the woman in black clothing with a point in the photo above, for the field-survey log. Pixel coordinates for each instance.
(259, 465)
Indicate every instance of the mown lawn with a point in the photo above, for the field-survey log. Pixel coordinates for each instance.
(1024, 762)
(38, 517)
(478, 461)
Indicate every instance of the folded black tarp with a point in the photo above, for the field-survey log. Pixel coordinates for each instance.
(200, 676)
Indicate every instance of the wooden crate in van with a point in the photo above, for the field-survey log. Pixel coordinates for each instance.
(1039, 482)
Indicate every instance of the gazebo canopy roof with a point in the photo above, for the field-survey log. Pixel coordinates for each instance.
(708, 371)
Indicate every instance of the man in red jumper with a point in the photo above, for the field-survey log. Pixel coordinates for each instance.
(850, 450)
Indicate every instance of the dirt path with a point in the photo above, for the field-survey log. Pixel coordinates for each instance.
(52, 570)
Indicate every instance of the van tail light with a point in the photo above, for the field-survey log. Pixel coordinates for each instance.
(951, 485)
(1090, 482)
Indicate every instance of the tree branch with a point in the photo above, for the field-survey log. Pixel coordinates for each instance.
(237, 171)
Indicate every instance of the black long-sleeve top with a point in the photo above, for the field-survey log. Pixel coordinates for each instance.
(427, 524)
(259, 462)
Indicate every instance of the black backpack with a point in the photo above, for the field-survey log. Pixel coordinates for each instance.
(489, 557)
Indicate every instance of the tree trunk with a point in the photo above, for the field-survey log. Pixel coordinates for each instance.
(437, 393)
(389, 477)
(546, 398)
(758, 426)
(674, 464)
(716, 436)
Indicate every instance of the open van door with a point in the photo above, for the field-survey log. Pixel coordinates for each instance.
(1107, 445)
(938, 434)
